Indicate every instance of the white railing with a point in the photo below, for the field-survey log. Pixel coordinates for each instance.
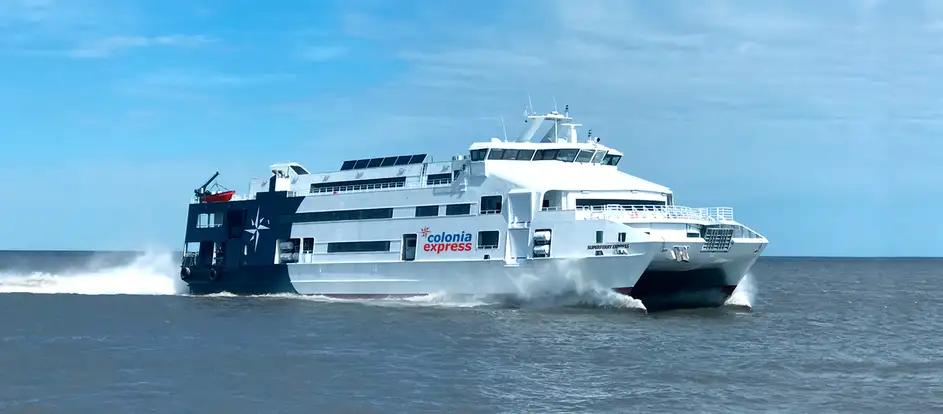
(647, 213)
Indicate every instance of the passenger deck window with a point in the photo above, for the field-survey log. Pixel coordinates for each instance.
(457, 209)
(490, 205)
(488, 239)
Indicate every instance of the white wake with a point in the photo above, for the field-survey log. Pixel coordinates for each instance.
(152, 273)
(744, 294)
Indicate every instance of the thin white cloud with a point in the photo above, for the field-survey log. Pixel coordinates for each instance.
(320, 53)
(109, 46)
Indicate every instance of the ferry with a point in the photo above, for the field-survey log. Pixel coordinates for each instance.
(507, 217)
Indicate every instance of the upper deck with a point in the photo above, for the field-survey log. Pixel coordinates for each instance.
(558, 161)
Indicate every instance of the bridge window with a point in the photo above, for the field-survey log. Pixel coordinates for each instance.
(611, 159)
(479, 154)
(361, 164)
(567, 155)
(457, 209)
(488, 239)
(490, 205)
(598, 157)
(427, 211)
(496, 154)
(358, 247)
(547, 154)
(585, 156)
(525, 154)
(348, 165)
(375, 162)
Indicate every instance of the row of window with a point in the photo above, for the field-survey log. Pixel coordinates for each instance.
(353, 185)
(565, 154)
(489, 205)
(486, 240)
(339, 215)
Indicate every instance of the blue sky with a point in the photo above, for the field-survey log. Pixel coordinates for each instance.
(819, 122)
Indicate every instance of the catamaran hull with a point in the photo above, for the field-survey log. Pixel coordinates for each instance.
(551, 276)
(704, 280)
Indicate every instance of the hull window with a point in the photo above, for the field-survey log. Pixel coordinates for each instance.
(358, 247)
(427, 211)
(490, 205)
(488, 239)
(457, 209)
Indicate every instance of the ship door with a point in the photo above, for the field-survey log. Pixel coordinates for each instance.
(409, 247)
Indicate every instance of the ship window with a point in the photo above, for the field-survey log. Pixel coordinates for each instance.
(307, 245)
(488, 239)
(357, 185)
(590, 202)
(547, 154)
(298, 169)
(510, 154)
(496, 154)
(361, 164)
(584, 156)
(348, 165)
(479, 154)
(403, 160)
(457, 209)
(375, 162)
(567, 155)
(437, 179)
(358, 247)
(417, 159)
(598, 157)
(525, 154)
(340, 215)
(611, 159)
(388, 161)
(490, 205)
(621, 237)
(427, 211)
(599, 236)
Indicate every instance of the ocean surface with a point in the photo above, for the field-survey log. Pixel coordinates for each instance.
(109, 333)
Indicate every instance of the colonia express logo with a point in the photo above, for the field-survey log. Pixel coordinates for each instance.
(446, 242)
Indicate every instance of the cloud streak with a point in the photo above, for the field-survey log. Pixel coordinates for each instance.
(109, 46)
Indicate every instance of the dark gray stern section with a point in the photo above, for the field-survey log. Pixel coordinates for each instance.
(237, 253)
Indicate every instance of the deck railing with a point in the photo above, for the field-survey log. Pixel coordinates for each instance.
(625, 213)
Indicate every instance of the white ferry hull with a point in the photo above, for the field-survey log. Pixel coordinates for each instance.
(494, 277)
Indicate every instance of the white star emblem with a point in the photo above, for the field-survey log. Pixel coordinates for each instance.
(257, 226)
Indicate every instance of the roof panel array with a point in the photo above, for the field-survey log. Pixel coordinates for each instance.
(383, 162)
